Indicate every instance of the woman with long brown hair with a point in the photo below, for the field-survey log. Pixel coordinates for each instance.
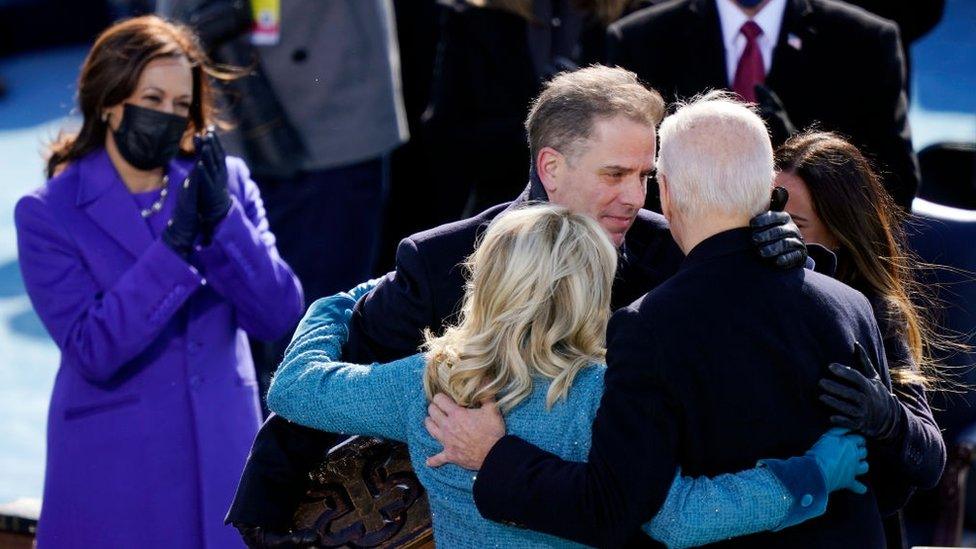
(147, 257)
(838, 202)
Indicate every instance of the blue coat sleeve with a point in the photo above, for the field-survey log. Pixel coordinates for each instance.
(98, 330)
(774, 495)
(312, 389)
(242, 264)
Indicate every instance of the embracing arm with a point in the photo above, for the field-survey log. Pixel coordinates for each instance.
(313, 389)
(389, 323)
(705, 510)
(630, 467)
(98, 330)
(913, 455)
(774, 495)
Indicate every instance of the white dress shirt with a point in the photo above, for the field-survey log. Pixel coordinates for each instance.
(769, 19)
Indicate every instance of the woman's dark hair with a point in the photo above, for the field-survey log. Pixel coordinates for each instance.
(850, 200)
(112, 70)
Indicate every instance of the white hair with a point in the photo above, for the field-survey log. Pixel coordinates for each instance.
(716, 156)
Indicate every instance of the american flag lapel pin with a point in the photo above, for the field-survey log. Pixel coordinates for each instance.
(794, 41)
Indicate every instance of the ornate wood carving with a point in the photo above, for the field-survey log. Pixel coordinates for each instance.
(365, 494)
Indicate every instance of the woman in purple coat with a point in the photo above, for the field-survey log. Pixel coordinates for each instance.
(148, 258)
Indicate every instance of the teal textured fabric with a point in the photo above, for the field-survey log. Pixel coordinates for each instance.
(387, 400)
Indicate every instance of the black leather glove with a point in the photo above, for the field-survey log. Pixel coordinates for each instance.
(773, 112)
(210, 173)
(184, 226)
(860, 399)
(776, 236)
(256, 537)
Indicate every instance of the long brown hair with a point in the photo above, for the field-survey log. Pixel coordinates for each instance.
(873, 257)
(111, 72)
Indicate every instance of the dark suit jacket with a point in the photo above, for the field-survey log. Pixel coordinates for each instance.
(483, 83)
(711, 371)
(847, 76)
(424, 291)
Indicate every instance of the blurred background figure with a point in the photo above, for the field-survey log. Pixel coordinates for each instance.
(914, 19)
(318, 117)
(491, 61)
(147, 256)
(803, 62)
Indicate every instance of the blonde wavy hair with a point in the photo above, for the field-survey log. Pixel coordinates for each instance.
(536, 304)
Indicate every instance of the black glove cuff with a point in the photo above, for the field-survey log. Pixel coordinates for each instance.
(178, 246)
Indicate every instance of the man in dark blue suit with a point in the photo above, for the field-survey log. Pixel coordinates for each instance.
(713, 369)
(592, 135)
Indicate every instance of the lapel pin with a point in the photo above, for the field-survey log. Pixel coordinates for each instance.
(794, 42)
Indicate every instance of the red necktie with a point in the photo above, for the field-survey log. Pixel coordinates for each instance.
(750, 70)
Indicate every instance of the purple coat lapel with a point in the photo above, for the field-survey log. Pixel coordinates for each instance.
(109, 203)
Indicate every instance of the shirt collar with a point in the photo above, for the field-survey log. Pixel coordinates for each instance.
(769, 19)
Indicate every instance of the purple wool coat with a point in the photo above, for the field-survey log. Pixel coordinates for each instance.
(155, 403)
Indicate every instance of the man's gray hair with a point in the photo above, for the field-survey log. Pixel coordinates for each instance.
(562, 116)
(716, 156)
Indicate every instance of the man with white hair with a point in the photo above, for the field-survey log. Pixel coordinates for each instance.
(710, 371)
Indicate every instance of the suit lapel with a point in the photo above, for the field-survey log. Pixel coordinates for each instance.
(109, 204)
(709, 49)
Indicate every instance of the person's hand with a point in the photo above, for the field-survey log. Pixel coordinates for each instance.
(776, 236)
(184, 226)
(467, 434)
(842, 456)
(210, 173)
(774, 113)
(257, 537)
(860, 400)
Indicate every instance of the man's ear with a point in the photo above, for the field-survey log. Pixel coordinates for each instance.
(549, 165)
(664, 191)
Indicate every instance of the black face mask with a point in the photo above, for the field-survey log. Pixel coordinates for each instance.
(148, 138)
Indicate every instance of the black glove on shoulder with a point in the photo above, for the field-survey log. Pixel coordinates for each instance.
(210, 172)
(860, 400)
(776, 236)
(184, 226)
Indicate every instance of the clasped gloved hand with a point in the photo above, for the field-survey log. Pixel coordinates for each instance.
(257, 537)
(184, 226)
(860, 400)
(842, 456)
(776, 236)
(210, 173)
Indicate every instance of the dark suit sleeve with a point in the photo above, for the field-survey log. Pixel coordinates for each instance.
(631, 461)
(914, 457)
(275, 476)
(388, 323)
(888, 137)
